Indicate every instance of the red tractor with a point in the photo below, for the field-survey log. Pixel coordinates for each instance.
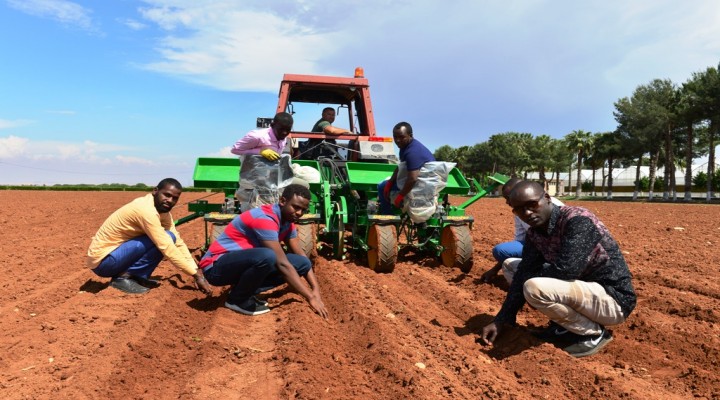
(350, 97)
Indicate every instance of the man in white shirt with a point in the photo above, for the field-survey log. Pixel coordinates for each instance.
(508, 254)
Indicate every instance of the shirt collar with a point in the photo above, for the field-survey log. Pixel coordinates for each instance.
(271, 134)
(151, 201)
(554, 215)
(276, 210)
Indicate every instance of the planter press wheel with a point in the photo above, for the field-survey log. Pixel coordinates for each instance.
(382, 240)
(458, 245)
(307, 235)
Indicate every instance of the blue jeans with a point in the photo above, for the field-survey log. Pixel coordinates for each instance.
(386, 208)
(507, 250)
(138, 257)
(251, 271)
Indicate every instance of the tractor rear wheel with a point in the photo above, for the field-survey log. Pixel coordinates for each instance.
(458, 245)
(307, 235)
(382, 240)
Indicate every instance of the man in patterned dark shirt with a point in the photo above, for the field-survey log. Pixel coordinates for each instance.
(572, 271)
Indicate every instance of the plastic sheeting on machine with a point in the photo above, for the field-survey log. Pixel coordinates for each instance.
(306, 173)
(421, 203)
(262, 181)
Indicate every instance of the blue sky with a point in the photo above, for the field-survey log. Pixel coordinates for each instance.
(133, 91)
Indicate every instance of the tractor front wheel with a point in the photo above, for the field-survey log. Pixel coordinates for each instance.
(458, 247)
(382, 240)
(307, 236)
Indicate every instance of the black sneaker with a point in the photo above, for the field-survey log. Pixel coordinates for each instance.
(589, 344)
(260, 301)
(148, 283)
(252, 309)
(127, 285)
(554, 333)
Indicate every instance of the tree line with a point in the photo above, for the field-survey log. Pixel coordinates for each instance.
(660, 124)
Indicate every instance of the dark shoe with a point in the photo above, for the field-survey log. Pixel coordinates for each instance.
(589, 344)
(253, 309)
(127, 285)
(555, 333)
(148, 283)
(260, 301)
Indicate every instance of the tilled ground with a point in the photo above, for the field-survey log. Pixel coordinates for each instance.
(408, 334)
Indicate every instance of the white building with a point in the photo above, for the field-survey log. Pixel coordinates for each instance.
(623, 180)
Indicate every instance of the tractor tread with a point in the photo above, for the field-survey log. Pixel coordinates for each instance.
(383, 248)
(458, 252)
(307, 235)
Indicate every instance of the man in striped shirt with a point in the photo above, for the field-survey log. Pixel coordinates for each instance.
(248, 255)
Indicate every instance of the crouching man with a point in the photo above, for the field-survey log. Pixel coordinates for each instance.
(248, 255)
(572, 271)
(134, 239)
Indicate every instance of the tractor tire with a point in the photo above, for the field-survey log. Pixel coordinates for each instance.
(458, 245)
(307, 235)
(382, 240)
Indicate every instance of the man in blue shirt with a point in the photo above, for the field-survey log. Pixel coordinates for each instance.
(414, 154)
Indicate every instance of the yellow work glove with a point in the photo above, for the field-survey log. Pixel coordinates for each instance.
(270, 154)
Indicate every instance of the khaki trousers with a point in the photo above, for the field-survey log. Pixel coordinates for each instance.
(578, 306)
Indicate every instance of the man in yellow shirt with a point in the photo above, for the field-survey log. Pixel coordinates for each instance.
(135, 238)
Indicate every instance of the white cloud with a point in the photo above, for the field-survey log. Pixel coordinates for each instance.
(65, 12)
(135, 160)
(229, 47)
(223, 152)
(7, 124)
(26, 161)
(12, 146)
(565, 53)
(133, 24)
(665, 40)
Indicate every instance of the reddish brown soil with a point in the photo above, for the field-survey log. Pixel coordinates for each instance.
(409, 334)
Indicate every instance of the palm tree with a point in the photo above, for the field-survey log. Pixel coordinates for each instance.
(559, 160)
(445, 153)
(614, 150)
(580, 142)
(603, 153)
(509, 151)
(540, 154)
(595, 160)
(708, 95)
(690, 112)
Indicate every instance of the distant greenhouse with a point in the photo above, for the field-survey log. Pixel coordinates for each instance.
(623, 181)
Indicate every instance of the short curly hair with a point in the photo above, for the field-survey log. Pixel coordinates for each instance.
(296, 190)
(169, 182)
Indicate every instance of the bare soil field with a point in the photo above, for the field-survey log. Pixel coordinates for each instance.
(411, 334)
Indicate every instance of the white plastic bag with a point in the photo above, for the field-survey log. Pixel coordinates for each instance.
(262, 181)
(306, 173)
(421, 203)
